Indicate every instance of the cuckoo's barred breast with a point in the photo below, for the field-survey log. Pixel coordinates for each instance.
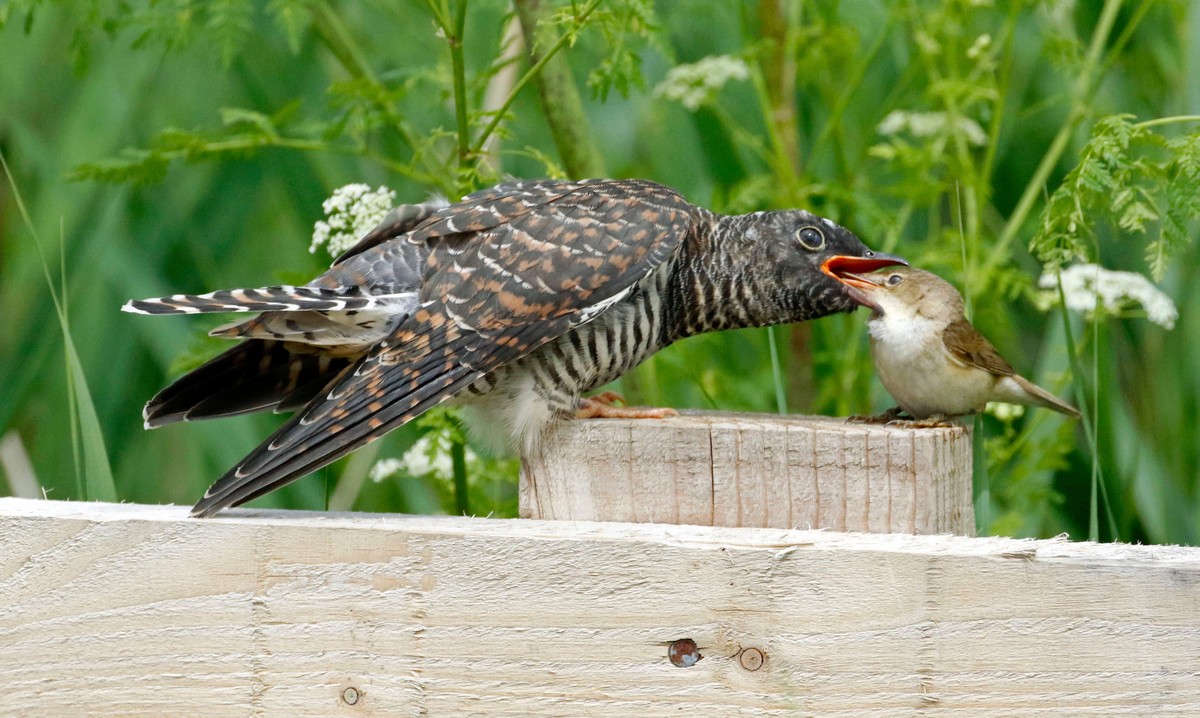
(512, 302)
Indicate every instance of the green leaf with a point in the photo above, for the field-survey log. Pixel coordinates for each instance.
(230, 22)
(97, 472)
(1182, 203)
(294, 16)
(237, 117)
(132, 166)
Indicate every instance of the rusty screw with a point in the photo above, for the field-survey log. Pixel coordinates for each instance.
(752, 659)
(684, 653)
(350, 695)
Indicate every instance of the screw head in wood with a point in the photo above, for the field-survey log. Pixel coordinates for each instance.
(684, 653)
(752, 659)
(351, 695)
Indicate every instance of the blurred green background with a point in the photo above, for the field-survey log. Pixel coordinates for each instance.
(939, 130)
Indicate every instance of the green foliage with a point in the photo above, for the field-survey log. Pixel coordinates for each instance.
(93, 473)
(1180, 202)
(1132, 178)
(624, 25)
(293, 16)
(956, 133)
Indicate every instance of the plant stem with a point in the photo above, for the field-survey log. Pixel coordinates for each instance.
(498, 88)
(777, 373)
(1158, 122)
(855, 81)
(560, 98)
(458, 462)
(1088, 415)
(1008, 35)
(352, 478)
(454, 36)
(983, 481)
(1085, 86)
(329, 28)
(778, 25)
(253, 142)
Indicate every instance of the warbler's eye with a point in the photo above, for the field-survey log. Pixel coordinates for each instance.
(811, 238)
(895, 279)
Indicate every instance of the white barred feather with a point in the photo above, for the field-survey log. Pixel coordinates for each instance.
(264, 299)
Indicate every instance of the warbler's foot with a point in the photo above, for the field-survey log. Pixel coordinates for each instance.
(930, 422)
(601, 407)
(888, 417)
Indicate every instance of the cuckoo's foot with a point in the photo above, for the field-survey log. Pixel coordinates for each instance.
(609, 398)
(601, 407)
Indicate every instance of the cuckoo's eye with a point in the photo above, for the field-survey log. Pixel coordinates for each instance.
(894, 280)
(811, 238)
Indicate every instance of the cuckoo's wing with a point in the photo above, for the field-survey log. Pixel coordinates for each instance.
(404, 218)
(491, 295)
(397, 223)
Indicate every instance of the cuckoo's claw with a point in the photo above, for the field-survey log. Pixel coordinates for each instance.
(609, 398)
(601, 407)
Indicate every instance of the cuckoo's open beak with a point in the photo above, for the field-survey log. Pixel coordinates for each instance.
(849, 270)
(854, 273)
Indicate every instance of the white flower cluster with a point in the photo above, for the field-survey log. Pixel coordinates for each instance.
(1004, 411)
(385, 468)
(980, 46)
(930, 124)
(1087, 285)
(696, 84)
(350, 212)
(429, 456)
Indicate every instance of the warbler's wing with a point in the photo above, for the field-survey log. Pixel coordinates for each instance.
(966, 345)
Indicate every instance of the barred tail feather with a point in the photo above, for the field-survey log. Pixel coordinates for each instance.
(422, 364)
(235, 489)
(255, 375)
(263, 299)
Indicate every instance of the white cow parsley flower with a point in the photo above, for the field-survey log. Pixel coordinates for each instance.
(930, 124)
(351, 212)
(697, 83)
(385, 468)
(980, 46)
(1004, 411)
(428, 456)
(1087, 287)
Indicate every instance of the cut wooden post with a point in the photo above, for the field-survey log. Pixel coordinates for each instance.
(753, 470)
(118, 611)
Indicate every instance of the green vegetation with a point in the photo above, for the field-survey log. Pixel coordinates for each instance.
(187, 146)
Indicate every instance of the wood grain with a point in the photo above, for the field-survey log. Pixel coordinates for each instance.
(753, 470)
(123, 610)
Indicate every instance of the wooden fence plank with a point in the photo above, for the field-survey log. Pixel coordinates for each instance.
(753, 470)
(122, 610)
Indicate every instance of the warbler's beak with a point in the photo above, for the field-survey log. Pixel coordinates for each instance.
(850, 270)
(854, 273)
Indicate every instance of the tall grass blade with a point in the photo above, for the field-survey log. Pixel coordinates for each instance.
(777, 373)
(983, 500)
(97, 484)
(1088, 412)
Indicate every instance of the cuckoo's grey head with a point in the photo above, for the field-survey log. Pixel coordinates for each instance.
(806, 251)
